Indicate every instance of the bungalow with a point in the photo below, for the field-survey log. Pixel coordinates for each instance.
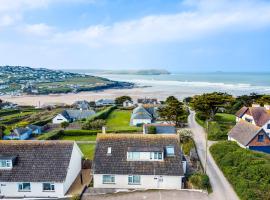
(105, 102)
(35, 129)
(143, 115)
(250, 136)
(72, 115)
(81, 105)
(147, 101)
(160, 128)
(19, 134)
(38, 169)
(138, 162)
(128, 104)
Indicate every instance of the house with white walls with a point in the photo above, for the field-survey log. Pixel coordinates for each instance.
(72, 115)
(138, 161)
(143, 115)
(38, 169)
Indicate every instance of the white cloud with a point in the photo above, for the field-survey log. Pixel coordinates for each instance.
(37, 29)
(206, 18)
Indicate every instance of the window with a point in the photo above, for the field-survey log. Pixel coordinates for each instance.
(134, 180)
(156, 156)
(109, 150)
(170, 151)
(24, 187)
(260, 138)
(108, 179)
(5, 163)
(48, 187)
(268, 126)
(134, 155)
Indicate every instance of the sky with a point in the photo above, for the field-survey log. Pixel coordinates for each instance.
(177, 35)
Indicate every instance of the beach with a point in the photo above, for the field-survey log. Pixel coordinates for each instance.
(180, 85)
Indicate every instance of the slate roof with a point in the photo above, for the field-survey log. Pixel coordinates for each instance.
(141, 113)
(77, 114)
(20, 131)
(116, 162)
(147, 101)
(244, 132)
(33, 127)
(259, 114)
(36, 161)
(162, 128)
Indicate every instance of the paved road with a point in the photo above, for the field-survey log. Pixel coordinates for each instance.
(222, 190)
(151, 195)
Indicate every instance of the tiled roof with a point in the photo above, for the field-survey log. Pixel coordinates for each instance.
(241, 112)
(116, 162)
(244, 132)
(141, 113)
(77, 114)
(36, 161)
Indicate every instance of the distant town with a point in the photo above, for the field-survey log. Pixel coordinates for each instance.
(18, 80)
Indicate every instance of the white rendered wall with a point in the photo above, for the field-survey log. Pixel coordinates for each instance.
(59, 119)
(141, 121)
(147, 182)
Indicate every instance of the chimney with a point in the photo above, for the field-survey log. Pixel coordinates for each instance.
(255, 105)
(267, 106)
(104, 128)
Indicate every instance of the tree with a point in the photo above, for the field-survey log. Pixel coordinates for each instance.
(2, 129)
(187, 100)
(1, 102)
(173, 111)
(152, 130)
(120, 100)
(208, 104)
(264, 100)
(64, 125)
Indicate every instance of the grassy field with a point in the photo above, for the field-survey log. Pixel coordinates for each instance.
(88, 150)
(247, 171)
(120, 120)
(79, 138)
(219, 127)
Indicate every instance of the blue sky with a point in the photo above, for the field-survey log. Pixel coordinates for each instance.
(178, 35)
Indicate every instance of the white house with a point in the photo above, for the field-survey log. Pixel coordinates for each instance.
(72, 115)
(128, 104)
(138, 161)
(143, 115)
(38, 169)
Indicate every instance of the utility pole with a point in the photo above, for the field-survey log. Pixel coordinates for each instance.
(206, 145)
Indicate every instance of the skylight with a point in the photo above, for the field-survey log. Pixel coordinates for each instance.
(170, 151)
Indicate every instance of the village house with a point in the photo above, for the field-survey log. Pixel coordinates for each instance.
(160, 128)
(38, 169)
(105, 102)
(147, 101)
(128, 104)
(252, 129)
(143, 115)
(19, 134)
(81, 105)
(72, 115)
(136, 161)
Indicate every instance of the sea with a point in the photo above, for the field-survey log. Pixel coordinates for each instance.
(189, 84)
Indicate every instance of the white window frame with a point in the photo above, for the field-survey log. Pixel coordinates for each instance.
(132, 178)
(21, 187)
(112, 177)
(5, 164)
(170, 154)
(156, 155)
(130, 155)
(52, 187)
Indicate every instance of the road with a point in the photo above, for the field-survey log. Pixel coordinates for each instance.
(222, 190)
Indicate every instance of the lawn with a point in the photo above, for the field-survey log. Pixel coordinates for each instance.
(79, 138)
(247, 171)
(88, 150)
(120, 120)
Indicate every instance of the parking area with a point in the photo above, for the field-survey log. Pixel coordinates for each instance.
(150, 195)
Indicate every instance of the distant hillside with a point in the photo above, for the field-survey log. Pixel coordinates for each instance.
(15, 80)
(137, 72)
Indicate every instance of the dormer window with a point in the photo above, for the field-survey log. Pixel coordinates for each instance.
(109, 150)
(268, 126)
(5, 164)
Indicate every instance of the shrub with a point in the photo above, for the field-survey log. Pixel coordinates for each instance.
(200, 181)
(97, 124)
(102, 114)
(53, 135)
(152, 130)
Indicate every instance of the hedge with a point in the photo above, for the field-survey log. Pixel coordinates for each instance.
(102, 114)
(53, 135)
(248, 171)
(42, 122)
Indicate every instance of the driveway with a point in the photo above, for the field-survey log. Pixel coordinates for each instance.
(222, 190)
(151, 195)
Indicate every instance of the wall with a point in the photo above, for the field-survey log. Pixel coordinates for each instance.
(140, 121)
(147, 182)
(255, 142)
(232, 139)
(10, 189)
(74, 168)
(59, 119)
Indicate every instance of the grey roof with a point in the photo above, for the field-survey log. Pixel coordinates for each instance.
(105, 101)
(33, 127)
(20, 131)
(141, 113)
(244, 132)
(82, 105)
(147, 101)
(36, 161)
(116, 162)
(161, 128)
(77, 114)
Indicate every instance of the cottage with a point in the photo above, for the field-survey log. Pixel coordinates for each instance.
(138, 161)
(82, 105)
(160, 128)
(250, 136)
(72, 115)
(36, 169)
(128, 104)
(105, 102)
(35, 129)
(147, 101)
(19, 134)
(143, 115)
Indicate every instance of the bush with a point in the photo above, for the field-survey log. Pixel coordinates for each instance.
(102, 114)
(152, 130)
(200, 181)
(93, 125)
(79, 132)
(247, 171)
(53, 135)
